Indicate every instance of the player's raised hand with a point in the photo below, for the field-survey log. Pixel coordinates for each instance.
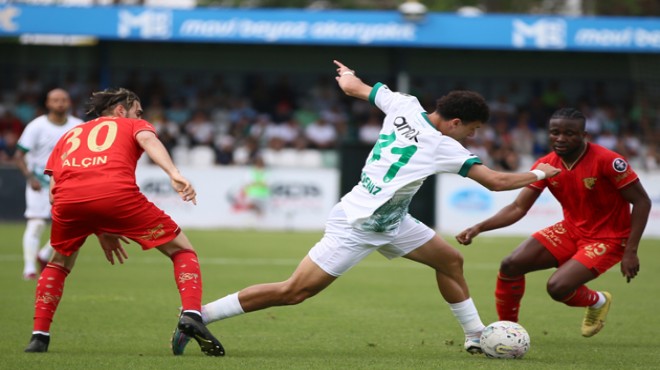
(342, 70)
(111, 247)
(184, 188)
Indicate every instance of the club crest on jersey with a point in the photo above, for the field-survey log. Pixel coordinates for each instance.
(620, 165)
(404, 129)
(589, 182)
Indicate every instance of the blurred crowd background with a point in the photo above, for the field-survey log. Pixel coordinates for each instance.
(284, 123)
(207, 115)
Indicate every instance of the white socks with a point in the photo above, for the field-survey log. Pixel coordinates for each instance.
(223, 308)
(31, 241)
(601, 301)
(467, 315)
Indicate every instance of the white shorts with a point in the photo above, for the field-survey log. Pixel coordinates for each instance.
(343, 246)
(37, 203)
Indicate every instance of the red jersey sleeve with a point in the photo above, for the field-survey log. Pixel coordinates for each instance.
(142, 125)
(617, 170)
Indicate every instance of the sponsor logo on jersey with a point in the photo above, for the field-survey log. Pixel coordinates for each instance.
(404, 129)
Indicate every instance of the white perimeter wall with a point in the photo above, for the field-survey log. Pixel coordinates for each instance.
(299, 200)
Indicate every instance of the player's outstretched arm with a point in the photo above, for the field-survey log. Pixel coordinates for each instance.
(506, 216)
(500, 181)
(350, 84)
(157, 152)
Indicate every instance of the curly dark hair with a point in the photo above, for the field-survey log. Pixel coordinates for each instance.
(570, 114)
(103, 102)
(468, 106)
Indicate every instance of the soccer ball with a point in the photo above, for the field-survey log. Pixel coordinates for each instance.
(504, 339)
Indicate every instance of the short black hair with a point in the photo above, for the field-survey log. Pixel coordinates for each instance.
(570, 114)
(468, 106)
(103, 102)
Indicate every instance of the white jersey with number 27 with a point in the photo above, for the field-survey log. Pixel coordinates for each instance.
(409, 150)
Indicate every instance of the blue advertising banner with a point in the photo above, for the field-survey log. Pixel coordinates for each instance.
(335, 27)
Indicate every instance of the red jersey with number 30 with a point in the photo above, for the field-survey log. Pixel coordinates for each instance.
(96, 159)
(589, 192)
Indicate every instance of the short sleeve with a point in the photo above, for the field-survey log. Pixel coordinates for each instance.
(28, 138)
(387, 100)
(618, 171)
(142, 125)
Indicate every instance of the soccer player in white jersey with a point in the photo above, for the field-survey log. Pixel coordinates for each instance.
(373, 216)
(34, 147)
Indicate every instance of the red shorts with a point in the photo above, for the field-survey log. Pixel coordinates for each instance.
(130, 215)
(598, 255)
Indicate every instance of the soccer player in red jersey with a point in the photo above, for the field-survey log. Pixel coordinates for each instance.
(595, 189)
(93, 191)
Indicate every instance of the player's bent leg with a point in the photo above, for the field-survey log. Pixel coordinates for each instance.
(529, 256)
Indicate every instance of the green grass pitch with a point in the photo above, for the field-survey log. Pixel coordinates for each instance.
(380, 315)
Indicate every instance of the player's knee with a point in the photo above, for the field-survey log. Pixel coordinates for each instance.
(509, 267)
(454, 262)
(557, 290)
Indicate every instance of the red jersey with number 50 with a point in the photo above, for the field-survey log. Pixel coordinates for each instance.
(96, 159)
(589, 192)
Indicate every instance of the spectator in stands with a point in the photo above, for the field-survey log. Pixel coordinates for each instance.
(247, 151)
(224, 150)
(9, 122)
(522, 136)
(370, 130)
(321, 134)
(651, 160)
(8, 147)
(200, 129)
(166, 130)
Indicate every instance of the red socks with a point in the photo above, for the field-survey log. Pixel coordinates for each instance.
(50, 287)
(508, 294)
(188, 279)
(581, 297)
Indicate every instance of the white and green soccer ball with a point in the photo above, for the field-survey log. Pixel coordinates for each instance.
(504, 339)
